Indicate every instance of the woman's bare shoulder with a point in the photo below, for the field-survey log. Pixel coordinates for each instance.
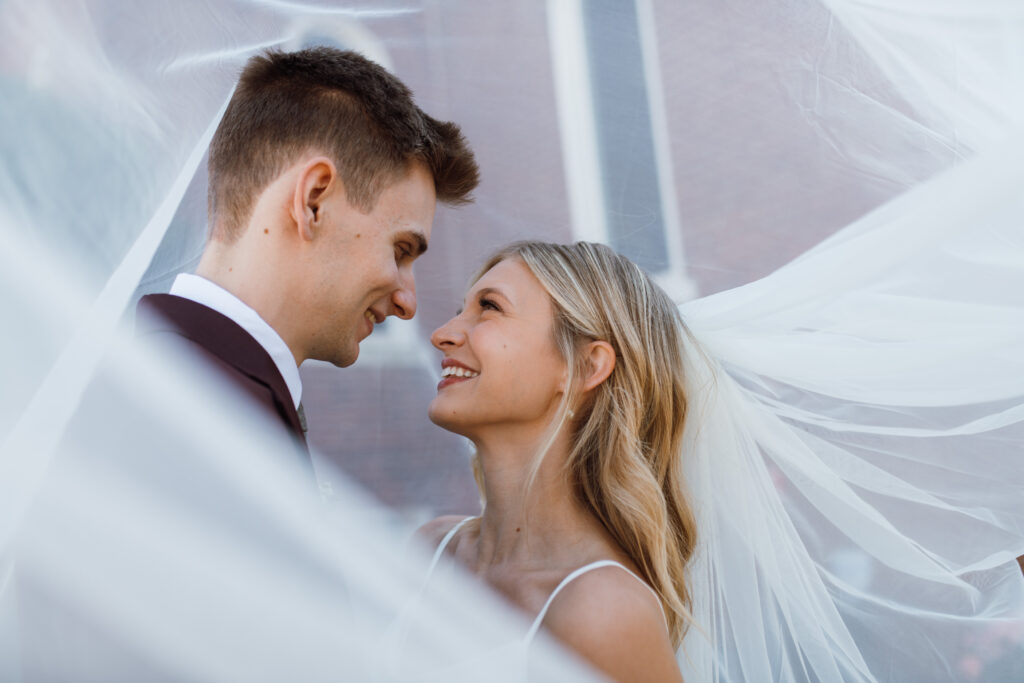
(432, 533)
(616, 623)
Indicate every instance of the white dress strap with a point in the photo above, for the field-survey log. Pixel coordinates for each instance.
(444, 544)
(569, 579)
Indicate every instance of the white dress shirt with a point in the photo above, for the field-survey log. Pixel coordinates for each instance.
(211, 295)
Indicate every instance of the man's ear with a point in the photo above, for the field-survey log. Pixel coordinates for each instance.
(316, 178)
(600, 363)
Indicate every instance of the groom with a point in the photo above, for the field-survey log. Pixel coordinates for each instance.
(323, 179)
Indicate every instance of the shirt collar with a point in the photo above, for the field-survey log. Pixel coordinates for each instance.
(212, 295)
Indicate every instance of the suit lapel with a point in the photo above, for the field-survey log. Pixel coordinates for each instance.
(225, 339)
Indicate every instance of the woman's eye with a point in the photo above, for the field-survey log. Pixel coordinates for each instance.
(488, 304)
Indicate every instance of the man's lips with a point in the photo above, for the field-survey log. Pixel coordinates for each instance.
(372, 318)
(367, 325)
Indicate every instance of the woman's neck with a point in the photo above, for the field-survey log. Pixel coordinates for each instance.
(537, 525)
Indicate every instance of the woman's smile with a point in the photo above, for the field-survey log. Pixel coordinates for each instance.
(502, 342)
(452, 372)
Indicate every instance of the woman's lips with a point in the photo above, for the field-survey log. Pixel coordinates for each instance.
(453, 371)
(448, 381)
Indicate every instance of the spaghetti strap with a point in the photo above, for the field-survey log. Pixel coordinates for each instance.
(444, 544)
(569, 579)
(397, 633)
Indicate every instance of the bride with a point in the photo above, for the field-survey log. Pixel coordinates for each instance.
(626, 499)
(564, 367)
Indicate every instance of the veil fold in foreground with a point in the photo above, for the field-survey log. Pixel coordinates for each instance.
(853, 441)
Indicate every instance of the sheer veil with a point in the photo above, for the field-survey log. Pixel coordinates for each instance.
(853, 444)
(857, 415)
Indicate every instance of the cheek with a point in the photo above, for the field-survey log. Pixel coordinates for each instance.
(385, 270)
(497, 349)
(522, 370)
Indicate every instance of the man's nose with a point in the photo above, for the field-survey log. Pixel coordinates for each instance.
(403, 299)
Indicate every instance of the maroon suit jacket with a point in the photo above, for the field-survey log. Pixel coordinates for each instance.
(90, 647)
(231, 349)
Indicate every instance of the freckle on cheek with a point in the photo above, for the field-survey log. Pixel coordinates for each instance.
(266, 231)
(358, 235)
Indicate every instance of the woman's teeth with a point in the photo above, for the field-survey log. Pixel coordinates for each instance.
(453, 371)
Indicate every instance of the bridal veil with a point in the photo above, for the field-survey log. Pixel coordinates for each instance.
(832, 190)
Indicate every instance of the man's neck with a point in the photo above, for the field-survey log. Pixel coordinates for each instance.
(245, 275)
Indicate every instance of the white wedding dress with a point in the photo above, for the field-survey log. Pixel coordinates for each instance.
(856, 426)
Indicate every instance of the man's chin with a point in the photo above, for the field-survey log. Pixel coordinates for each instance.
(348, 360)
(343, 358)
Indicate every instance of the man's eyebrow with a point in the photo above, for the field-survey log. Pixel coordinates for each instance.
(417, 238)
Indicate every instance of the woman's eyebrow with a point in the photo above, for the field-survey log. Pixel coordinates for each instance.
(484, 292)
(493, 290)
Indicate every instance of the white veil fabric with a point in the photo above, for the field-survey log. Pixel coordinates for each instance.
(854, 447)
(856, 440)
(857, 415)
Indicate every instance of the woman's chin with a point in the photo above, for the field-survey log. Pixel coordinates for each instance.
(445, 418)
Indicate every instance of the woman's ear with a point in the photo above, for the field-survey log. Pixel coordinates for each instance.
(600, 363)
(314, 180)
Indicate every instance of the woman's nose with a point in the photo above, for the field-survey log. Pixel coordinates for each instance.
(449, 334)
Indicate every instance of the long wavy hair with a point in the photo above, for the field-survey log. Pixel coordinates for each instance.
(625, 455)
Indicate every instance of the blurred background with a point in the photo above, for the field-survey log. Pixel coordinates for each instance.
(712, 142)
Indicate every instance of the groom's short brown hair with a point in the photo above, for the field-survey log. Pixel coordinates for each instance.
(334, 102)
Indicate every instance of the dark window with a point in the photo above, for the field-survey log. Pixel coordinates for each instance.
(625, 140)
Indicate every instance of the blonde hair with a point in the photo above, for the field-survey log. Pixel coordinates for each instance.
(624, 461)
